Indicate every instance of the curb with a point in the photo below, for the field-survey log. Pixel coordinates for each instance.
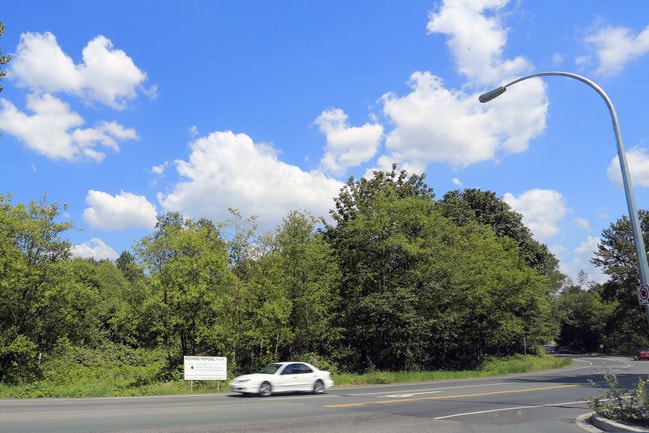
(608, 425)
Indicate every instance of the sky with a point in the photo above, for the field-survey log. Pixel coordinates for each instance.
(125, 110)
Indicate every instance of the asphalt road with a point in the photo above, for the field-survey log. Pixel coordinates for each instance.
(540, 402)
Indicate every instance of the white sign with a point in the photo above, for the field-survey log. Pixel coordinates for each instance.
(206, 368)
(643, 295)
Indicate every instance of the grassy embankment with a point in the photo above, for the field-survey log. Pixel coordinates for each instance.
(82, 374)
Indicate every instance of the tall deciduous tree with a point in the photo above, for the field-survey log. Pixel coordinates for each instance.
(187, 261)
(379, 244)
(305, 269)
(38, 297)
(485, 208)
(419, 291)
(627, 328)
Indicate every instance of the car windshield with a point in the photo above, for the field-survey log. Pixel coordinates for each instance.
(270, 369)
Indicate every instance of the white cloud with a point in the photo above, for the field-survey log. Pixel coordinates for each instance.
(95, 248)
(617, 46)
(436, 124)
(581, 223)
(581, 261)
(54, 129)
(112, 213)
(347, 146)
(638, 166)
(227, 170)
(542, 209)
(160, 169)
(477, 39)
(106, 75)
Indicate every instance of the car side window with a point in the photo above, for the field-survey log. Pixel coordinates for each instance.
(304, 369)
(290, 369)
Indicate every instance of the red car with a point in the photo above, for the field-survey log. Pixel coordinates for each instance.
(640, 355)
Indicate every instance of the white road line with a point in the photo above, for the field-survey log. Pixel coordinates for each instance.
(456, 415)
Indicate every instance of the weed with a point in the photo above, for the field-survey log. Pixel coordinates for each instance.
(630, 406)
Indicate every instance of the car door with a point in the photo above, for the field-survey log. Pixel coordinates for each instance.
(296, 377)
(305, 377)
(288, 380)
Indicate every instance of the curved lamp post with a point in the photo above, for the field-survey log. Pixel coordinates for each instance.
(643, 290)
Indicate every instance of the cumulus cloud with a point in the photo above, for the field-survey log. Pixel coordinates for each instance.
(347, 146)
(106, 75)
(477, 37)
(638, 165)
(542, 210)
(54, 130)
(617, 46)
(160, 169)
(95, 248)
(113, 213)
(581, 261)
(50, 127)
(436, 124)
(228, 170)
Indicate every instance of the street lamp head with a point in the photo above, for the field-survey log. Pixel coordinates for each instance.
(492, 94)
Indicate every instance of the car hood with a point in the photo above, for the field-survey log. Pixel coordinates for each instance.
(251, 377)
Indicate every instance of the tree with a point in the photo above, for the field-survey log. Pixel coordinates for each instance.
(419, 291)
(305, 270)
(38, 295)
(627, 328)
(583, 317)
(187, 263)
(3, 59)
(485, 208)
(379, 245)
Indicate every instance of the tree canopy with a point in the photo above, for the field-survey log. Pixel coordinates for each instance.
(395, 280)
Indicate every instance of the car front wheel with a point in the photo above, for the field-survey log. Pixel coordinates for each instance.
(265, 389)
(318, 387)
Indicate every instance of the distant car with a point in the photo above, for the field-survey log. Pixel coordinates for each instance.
(640, 355)
(563, 349)
(283, 377)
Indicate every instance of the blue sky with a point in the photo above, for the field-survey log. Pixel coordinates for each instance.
(125, 110)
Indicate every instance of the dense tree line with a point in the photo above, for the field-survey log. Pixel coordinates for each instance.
(394, 280)
(607, 317)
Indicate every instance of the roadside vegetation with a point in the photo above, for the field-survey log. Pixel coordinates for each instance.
(395, 280)
(83, 374)
(625, 405)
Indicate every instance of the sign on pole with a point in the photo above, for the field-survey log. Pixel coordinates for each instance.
(206, 368)
(643, 295)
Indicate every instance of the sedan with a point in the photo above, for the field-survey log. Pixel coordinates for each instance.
(283, 377)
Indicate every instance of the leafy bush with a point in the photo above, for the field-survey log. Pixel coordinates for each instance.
(629, 406)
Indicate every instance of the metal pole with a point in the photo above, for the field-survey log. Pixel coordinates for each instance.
(624, 166)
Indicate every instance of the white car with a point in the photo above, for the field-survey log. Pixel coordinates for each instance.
(283, 377)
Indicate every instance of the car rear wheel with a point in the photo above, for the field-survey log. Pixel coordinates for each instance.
(265, 389)
(318, 387)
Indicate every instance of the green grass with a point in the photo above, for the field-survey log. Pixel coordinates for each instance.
(495, 367)
(82, 373)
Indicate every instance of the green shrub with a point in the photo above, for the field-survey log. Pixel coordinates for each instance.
(629, 406)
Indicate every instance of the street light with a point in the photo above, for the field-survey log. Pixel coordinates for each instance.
(643, 290)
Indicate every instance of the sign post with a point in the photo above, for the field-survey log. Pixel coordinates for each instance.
(206, 368)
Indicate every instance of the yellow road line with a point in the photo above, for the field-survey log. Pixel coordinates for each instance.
(441, 397)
